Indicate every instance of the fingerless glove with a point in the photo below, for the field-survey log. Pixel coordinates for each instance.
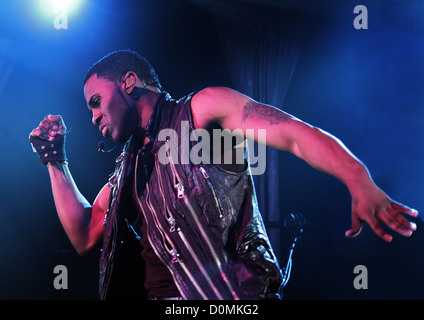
(49, 151)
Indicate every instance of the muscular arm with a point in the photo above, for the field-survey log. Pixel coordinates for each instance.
(283, 131)
(318, 148)
(82, 222)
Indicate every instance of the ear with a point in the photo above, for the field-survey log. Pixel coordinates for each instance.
(129, 82)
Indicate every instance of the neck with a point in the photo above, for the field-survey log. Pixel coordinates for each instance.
(145, 107)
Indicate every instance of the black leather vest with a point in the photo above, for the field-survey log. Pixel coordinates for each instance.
(203, 221)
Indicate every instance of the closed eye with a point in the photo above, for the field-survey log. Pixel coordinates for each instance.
(94, 101)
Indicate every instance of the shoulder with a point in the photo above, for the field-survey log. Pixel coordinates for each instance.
(207, 105)
(215, 104)
(218, 100)
(211, 95)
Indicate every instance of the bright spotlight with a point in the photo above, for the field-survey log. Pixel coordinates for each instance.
(52, 7)
(59, 9)
(70, 5)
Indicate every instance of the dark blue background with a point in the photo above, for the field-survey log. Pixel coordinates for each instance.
(363, 86)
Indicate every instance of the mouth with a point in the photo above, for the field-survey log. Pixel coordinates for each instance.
(103, 130)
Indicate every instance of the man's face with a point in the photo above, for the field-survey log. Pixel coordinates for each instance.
(112, 111)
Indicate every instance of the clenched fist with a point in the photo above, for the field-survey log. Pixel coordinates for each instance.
(48, 139)
(49, 128)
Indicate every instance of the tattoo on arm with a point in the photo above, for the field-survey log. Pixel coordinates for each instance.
(253, 109)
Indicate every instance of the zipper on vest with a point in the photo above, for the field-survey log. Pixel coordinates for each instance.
(180, 190)
(180, 194)
(166, 240)
(209, 182)
(200, 266)
(174, 253)
(205, 237)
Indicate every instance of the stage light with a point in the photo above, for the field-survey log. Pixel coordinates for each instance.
(52, 7)
(58, 11)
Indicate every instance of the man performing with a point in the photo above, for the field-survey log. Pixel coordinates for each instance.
(174, 229)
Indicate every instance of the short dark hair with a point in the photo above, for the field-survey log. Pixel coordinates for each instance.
(115, 64)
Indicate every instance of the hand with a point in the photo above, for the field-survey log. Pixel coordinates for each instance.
(49, 128)
(374, 207)
(48, 140)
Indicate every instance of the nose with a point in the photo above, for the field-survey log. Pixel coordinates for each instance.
(96, 118)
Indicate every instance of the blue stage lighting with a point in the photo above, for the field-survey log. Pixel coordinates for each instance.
(58, 11)
(52, 7)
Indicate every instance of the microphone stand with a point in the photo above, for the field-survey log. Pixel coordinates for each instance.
(294, 222)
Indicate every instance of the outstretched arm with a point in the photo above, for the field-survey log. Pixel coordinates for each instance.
(233, 110)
